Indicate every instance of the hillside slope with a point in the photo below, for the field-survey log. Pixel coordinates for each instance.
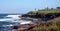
(51, 25)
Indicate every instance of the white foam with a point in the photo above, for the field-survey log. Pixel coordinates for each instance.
(26, 22)
(4, 19)
(14, 16)
(7, 25)
(15, 19)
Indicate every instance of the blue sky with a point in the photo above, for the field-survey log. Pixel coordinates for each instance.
(24, 6)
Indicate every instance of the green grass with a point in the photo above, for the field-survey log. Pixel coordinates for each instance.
(52, 25)
(44, 11)
(49, 11)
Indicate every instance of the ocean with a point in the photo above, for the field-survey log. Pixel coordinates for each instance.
(3, 22)
(10, 20)
(5, 28)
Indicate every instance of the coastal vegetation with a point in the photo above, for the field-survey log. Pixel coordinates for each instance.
(45, 11)
(51, 25)
(52, 17)
(44, 14)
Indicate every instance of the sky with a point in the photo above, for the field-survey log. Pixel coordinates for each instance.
(24, 6)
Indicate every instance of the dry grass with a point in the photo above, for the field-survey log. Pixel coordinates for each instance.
(51, 25)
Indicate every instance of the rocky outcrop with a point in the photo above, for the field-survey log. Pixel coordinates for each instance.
(26, 27)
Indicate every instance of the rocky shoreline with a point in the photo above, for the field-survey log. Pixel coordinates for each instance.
(28, 27)
(25, 27)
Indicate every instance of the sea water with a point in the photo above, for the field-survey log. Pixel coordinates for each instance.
(2, 24)
(5, 20)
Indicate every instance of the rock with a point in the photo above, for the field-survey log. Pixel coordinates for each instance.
(25, 27)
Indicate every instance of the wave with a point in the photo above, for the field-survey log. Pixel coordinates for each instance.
(7, 25)
(10, 17)
(26, 22)
(9, 20)
(15, 21)
(21, 22)
(5, 19)
(14, 16)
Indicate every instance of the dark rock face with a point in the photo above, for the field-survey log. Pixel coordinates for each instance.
(43, 17)
(51, 16)
(15, 27)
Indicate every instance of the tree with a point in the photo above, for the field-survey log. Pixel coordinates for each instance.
(58, 7)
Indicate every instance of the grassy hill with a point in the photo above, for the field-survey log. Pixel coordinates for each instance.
(52, 25)
(45, 11)
(52, 17)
